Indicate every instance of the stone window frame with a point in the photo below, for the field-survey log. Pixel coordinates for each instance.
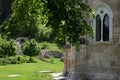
(106, 10)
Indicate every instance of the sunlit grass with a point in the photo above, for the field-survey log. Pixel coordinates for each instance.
(51, 46)
(30, 71)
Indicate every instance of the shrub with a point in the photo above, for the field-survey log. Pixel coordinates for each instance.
(13, 61)
(7, 48)
(8, 60)
(30, 48)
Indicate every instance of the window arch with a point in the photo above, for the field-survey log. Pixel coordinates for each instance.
(103, 23)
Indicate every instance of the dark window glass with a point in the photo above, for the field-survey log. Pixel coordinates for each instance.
(106, 28)
(98, 28)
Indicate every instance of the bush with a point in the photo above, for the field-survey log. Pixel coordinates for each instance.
(7, 48)
(16, 60)
(8, 60)
(30, 48)
(13, 61)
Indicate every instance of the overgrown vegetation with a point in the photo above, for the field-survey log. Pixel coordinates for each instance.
(8, 51)
(7, 48)
(16, 60)
(67, 18)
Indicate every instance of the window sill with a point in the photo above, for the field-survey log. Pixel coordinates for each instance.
(101, 43)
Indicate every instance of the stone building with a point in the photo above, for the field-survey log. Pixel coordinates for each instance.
(98, 58)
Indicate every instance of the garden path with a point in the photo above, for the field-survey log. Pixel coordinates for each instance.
(60, 76)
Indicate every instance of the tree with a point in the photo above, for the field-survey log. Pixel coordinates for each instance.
(30, 48)
(66, 17)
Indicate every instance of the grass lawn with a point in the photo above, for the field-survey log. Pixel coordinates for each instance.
(30, 71)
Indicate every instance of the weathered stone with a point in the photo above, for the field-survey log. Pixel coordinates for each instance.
(97, 60)
(47, 54)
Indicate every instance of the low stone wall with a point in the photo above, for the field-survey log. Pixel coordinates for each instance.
(97, 62)
(94, 62)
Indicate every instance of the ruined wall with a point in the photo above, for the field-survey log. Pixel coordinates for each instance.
(103, 62)
(69, 61)
(100, 60)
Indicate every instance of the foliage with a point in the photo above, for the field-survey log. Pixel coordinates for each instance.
(51, 46)
(30, 48)
(15, 60)
(7, 48)
(68, 18)
(14, 29)
(24, 23)
(43, 33)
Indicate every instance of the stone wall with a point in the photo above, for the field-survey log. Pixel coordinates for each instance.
(69, 61)
(95, 62)
(99, 60)
(103, 61)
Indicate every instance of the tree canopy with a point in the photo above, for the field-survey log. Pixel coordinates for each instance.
(67, 18)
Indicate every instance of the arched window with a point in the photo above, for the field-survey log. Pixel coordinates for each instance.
(98, 28)
(103, 23)
(102, 27)
(106, 28)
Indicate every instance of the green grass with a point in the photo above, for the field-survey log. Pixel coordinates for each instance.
(30, 71)
(51, 46)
